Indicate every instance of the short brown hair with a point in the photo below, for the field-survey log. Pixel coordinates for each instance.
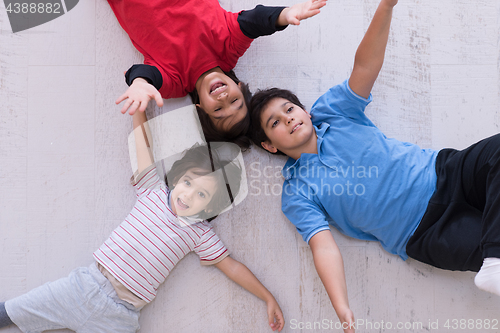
(257, 105)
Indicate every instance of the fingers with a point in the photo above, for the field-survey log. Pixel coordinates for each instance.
(132, 106)
(158, 99)
(270, 317)
(142, 106)
(311, 13)
(280, 320)
(274, 324)
(121, 98)
(126, 105)
(307, 11)
(138, 96)
(130, 103)
(318, 4)
(276, 321)
(281, 323)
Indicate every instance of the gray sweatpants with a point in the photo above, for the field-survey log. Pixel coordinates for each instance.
(84, 302)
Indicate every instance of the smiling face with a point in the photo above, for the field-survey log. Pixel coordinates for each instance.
(192, 193)
(221, 98)
(288, 127)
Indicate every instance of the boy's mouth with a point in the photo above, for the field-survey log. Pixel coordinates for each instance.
(217, 87)
(181, 204)
(296, 127)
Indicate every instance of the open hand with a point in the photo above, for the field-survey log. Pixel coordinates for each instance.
(302, 11)
(275, 316)
(138, 96)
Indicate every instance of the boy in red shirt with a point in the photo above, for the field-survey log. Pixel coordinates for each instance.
(191, 46)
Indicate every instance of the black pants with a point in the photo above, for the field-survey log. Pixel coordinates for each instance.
(461, 225)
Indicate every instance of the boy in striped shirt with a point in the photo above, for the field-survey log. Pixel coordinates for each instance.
(164, 225)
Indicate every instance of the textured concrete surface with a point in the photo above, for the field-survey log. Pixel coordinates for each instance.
(64, 165)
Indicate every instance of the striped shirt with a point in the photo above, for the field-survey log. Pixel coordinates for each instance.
(142, 251)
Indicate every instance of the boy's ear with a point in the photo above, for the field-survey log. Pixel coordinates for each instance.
(269, 147)
(239, 85)
(199, 105)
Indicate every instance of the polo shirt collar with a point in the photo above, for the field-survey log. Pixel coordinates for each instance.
(291, 165)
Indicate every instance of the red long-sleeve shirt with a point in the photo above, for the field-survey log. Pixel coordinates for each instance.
(185, 38)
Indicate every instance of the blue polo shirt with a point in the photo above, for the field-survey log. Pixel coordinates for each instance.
(364, 184)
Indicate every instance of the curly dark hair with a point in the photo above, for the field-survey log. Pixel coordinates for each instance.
(237, 133)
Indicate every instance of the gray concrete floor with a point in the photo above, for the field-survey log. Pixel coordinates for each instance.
(64, 164)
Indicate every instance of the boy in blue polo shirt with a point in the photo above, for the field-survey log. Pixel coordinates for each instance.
(441, 208)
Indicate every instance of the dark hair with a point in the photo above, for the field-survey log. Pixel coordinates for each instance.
(207, 159)
(257, 105)
(237, 133)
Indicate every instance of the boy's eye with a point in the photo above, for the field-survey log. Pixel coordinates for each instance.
(187, 183)
(234, 100)
(275, 123)
(201, 194)
(289, 109)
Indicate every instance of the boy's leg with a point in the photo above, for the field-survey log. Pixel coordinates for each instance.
(80, 302)
(485, 194)
(4, 317)
(54, 305)
(482, 190)
(461, 226)
(448, 237)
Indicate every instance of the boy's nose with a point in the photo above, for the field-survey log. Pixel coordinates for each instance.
(188, 195)
(290, 119)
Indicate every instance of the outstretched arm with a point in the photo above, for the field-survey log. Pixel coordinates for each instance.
(240, 274)
(371, 51)
(265, 20)
(330, 268)
(142, 136)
